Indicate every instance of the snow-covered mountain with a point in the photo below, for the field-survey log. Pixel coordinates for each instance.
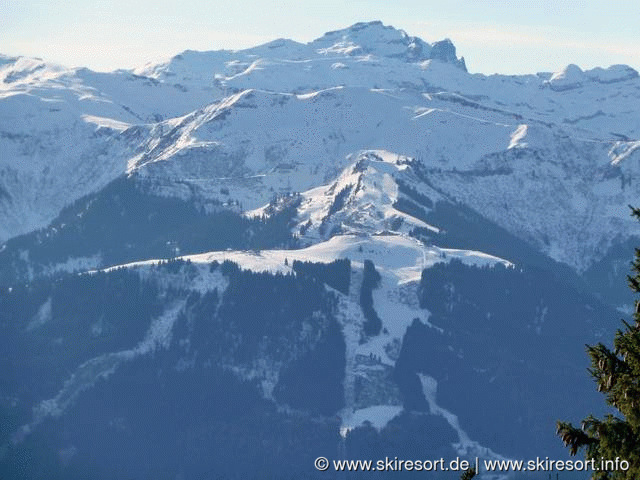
(555, 151)
(359, 209)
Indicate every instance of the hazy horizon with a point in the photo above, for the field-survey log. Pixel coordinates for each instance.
(526, 37)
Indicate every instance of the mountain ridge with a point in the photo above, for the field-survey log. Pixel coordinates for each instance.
(298, 249)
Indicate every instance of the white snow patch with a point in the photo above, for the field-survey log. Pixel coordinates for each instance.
(74, 264)
(402, 255)
(41, 317)
(160, 332)
(106, 122)
(517, 137)
(87, 374)
(622, 150)
(202, 280)
(465, 446)
(377, 415)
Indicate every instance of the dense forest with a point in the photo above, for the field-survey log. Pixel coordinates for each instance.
(200, 397)
(127, 221)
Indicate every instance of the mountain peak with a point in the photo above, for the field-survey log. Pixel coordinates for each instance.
(360, 28)
(572, 76)
(445, 51)
(375, 38)
(26, 69)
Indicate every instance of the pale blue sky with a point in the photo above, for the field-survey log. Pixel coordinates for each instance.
(518, 36)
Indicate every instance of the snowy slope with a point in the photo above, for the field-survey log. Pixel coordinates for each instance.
(363, 199)
(550, 157)
(368, 129)
(256, 143)
(357, 55)
(51, 154)
(399, 259)
(65, 133)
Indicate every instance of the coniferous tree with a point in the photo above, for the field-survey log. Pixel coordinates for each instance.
(468, 474)
(370, 281)
(617, 374)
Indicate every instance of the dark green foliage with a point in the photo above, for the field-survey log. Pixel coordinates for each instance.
(336, 274)
(124, 223)
(149, 420)
(314, 380)
(417, 338)
(266, 306)
(412, 193)
(288, 318)
(410, 208)
(616, 372)
(468, 474)
(607, 278)
(187, 408)
(370, 280)
(462, 227)
(409, 436)
(339, 200)
(510, 338)
(48, 328)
